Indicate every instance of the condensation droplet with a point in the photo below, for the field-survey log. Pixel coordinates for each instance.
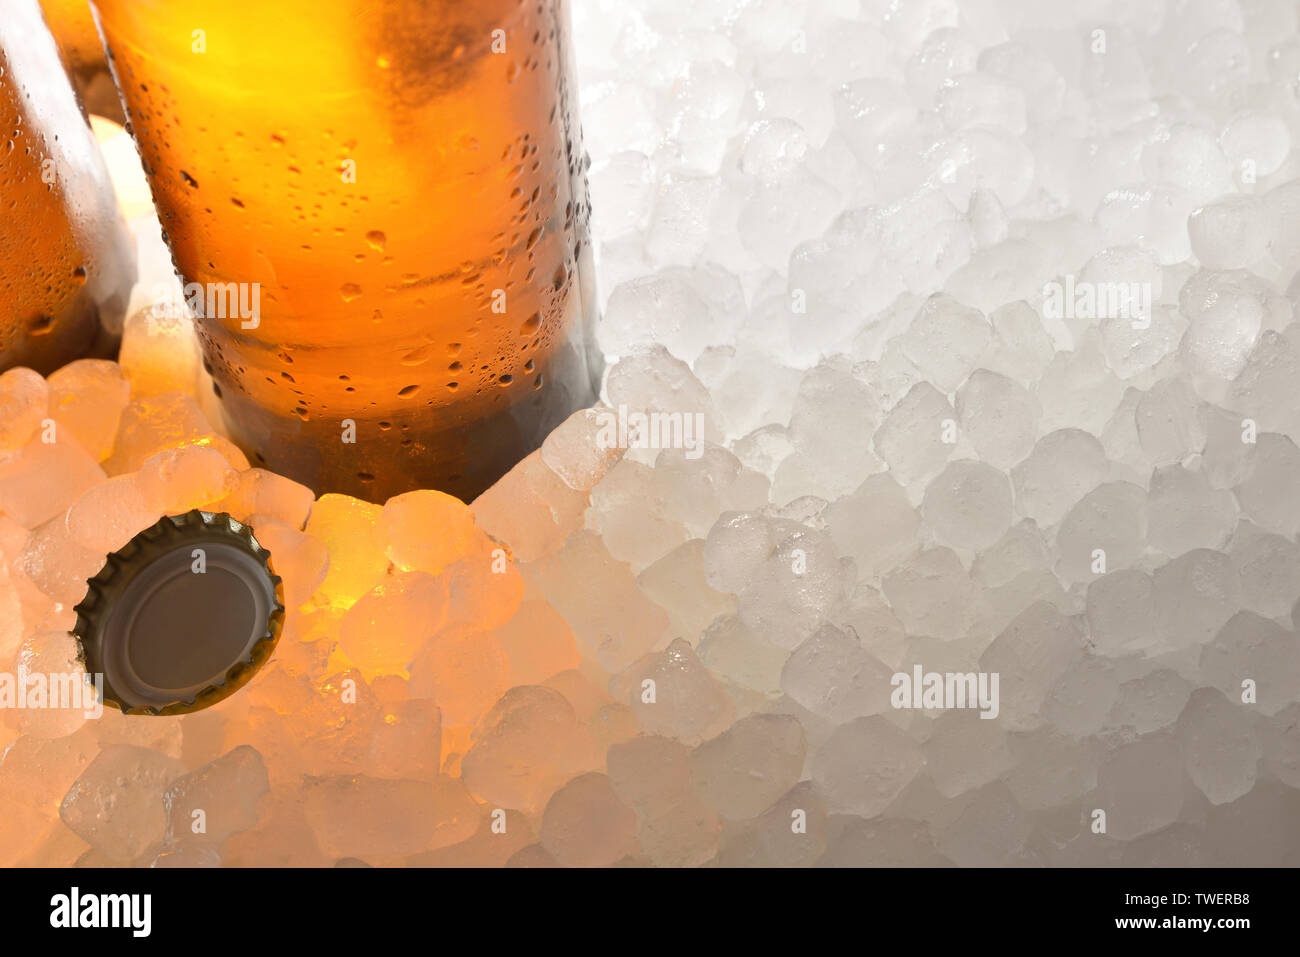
(417, 356)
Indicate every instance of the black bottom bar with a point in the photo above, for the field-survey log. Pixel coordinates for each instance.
(929, 907)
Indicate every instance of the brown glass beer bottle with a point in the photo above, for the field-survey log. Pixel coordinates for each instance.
(379, 210)
(67, 262)
(83, 55)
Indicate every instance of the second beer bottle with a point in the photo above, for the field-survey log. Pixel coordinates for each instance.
(67, 260)
(379, 210)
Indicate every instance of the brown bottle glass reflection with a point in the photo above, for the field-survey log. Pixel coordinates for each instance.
(399, 189)
(67, 263)
(83, 55)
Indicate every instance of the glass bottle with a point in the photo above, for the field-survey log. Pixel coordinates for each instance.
(83, 55)
(67, 262)
(379, 211)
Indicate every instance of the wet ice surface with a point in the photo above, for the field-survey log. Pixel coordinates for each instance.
(825, 228)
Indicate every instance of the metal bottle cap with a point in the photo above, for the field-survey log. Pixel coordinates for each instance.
(181, 616)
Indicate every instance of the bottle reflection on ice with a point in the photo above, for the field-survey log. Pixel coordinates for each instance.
(67, 262)
(403, 183)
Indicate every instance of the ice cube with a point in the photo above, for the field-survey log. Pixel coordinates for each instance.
(538, 643)
(1081, 699)
(698, 487)
(361, 816)
(831, 424)
(116, 805)
(1261, 389)
(794, 588)
(1250, 652)
(217, 800)
(87, 397)
(918, 435)
(1140, 786)
(772, 839)
(1231, 233)
(678, 584)
(866, 612)
(260, 496)
(354, 533)
(1105, 530)
(1194, 595)
(1220, 745)
(742, 771)
(932, 594)
(998, 416)
(524, 749)
(662, 308)
(1168, 424)
(1184, 512)
(154, 423)
(1120, 613)
(629, 509)
(1030, 656)
(737, 655)
(428, 530)
(875, 524)
(965, 752)
(650, 773)
(945, 340)
(463, 672)
(1281, 746)
(832, 674)
(160, 352)
(968, 505)
(1063, 467)
(991, 831)
(1223, 331)
(612, 620)
(586, 825)
(1263, 494)
(24, 403)
(576, 451)
(882, 842)
(382, 632)
(1151, 702)
(57, 564)
(674, 694)
(110, 514)
(1269, 568)
(531, 509)
(301, 560)
(177, 480)
(865, 765)
(1252, 830)
(1021, 348)
(57, 698)
(43, 479)
(1189, 158)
